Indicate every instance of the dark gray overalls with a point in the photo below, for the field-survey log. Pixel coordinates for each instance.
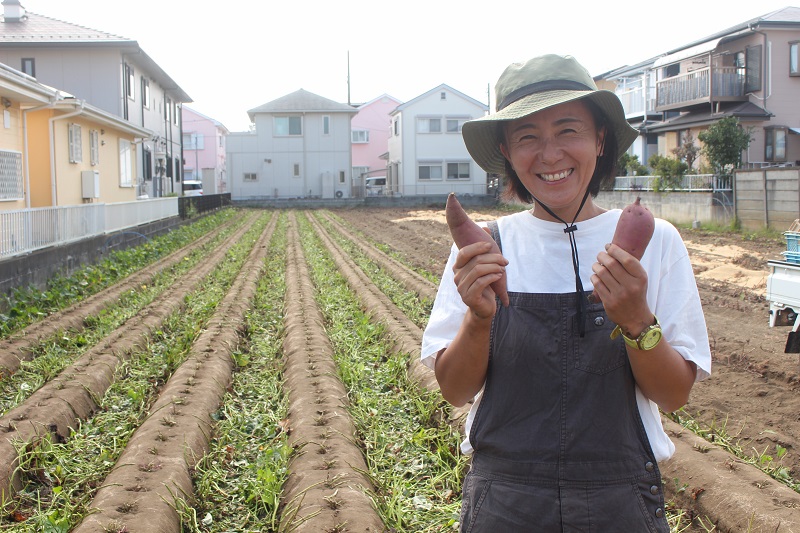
(559, 442)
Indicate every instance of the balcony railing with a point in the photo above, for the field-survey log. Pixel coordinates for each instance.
(689, 183)
(634, 103)
(704, 85)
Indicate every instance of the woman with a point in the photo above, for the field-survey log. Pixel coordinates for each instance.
(565, 430)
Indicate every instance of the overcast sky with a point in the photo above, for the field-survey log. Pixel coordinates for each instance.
(234, 55)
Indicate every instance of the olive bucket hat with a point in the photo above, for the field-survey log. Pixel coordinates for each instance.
(537, 84)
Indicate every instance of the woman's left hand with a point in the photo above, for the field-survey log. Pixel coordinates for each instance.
(621, 283)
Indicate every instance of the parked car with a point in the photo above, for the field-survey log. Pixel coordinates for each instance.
(376, 185)
(192, 188)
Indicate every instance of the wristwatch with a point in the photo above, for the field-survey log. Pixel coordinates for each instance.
(647, 339)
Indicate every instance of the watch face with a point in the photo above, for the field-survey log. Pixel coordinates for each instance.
(651, 339)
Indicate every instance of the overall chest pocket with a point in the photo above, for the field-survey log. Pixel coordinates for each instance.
(596, 352)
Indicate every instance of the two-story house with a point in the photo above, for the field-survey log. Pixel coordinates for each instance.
(56, 150)
(427, 155)
(370, 136)
(204, 151)
(750, 71)
(109, 72)
(299, 148)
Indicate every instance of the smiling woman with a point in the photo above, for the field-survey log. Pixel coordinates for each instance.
(565, 409)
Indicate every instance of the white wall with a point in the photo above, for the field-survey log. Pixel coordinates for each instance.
(321, 159)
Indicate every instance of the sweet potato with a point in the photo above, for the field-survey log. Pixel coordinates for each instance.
(634, 231)
(465, 232)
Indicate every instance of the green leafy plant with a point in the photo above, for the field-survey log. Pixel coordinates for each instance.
(723, 144)
(668, 171)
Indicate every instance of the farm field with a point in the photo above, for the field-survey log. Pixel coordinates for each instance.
(264, 376)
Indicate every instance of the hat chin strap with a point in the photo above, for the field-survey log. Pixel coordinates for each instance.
(570, 228)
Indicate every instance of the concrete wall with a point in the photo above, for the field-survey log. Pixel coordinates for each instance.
(768, 197)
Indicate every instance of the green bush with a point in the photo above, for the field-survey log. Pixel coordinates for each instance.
(668, 171)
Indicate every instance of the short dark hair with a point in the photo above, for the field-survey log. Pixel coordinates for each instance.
(604, 172)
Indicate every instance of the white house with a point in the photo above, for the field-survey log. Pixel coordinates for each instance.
(427, 155)
(299, 148)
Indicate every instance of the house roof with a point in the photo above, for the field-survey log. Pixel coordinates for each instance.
(746, 110)
(216, 123)
(302, 100)
(787, 16)
(437, 89)
(39, 30)
(378, 98)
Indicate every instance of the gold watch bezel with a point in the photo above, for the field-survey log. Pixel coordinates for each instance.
(647, 339)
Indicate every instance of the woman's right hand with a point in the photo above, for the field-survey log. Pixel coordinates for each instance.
(475, 269)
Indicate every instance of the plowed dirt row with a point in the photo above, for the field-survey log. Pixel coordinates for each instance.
(17, 347)
(752, 394)
(155, 468)
(62, 403)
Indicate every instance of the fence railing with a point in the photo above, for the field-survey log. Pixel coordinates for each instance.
(689, 182)
(23, 231)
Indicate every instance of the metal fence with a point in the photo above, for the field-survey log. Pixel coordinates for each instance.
(689, 182)
(26, 230)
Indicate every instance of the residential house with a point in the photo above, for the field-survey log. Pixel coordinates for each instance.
(370, 136)
(635, 85)
(204, 151)
(109, 72)
(750, 71)
(427, 155)
(56, 150)
(299, 148)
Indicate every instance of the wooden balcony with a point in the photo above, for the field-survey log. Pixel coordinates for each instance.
(705, 85)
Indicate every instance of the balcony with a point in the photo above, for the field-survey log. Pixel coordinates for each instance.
(635, 103)
(705, 85)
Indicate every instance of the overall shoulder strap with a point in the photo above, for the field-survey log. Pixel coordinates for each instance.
(495, 233)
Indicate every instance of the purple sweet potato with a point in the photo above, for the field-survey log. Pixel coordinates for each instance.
(634, 231)
(466, 232)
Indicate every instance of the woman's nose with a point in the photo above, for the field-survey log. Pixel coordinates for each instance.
(550, 151)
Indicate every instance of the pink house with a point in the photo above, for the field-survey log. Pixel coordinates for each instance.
(204, 151)
(370, 135)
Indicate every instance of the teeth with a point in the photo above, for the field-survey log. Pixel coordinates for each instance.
(555, 177)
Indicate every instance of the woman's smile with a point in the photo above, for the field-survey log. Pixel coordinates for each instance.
(557, 176)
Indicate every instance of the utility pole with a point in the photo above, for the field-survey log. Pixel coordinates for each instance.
(348, 77)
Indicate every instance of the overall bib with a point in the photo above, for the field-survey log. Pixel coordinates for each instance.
(559, 445)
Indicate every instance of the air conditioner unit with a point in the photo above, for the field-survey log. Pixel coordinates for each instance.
(90, 184)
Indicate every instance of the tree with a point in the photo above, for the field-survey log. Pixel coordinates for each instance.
(688, 151)
(723, 144)
(668, 171)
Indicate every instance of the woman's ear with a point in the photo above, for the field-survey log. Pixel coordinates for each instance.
(504, 151)
(601, 141)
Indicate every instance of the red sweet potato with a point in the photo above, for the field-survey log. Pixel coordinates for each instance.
(466, 232)
(634, 231)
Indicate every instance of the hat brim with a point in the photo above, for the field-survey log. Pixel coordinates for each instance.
(482, 136)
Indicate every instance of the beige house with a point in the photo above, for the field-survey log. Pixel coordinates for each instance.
(56, 150)
(750, 71)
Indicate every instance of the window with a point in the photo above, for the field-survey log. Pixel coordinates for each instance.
(296, 170)
(176, 112)
(11, 182)
(341, 176)
(429, 125)
(287, 126)
(326, 125)
(147, 164)
(430, 171)
(357, 171)
(167, 109)
(454, 124)
(794, 58)
(130, 79)
(75, 146)
(458, 171)
(29, 66)
(94, 147)
(146, 92)
(168, 165)
(443, 95)
(177, 164)
(125, 164)
(775, 144)
(397, 126)
(193, 141)
(752, 69)
(360, 136)
(250, 176)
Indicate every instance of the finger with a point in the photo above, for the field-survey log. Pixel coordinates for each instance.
(467, 253)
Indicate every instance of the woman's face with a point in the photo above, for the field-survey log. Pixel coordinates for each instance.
(554, 153)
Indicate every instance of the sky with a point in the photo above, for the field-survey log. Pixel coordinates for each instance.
(230, 56)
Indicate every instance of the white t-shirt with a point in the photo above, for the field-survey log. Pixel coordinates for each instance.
(540, 261)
